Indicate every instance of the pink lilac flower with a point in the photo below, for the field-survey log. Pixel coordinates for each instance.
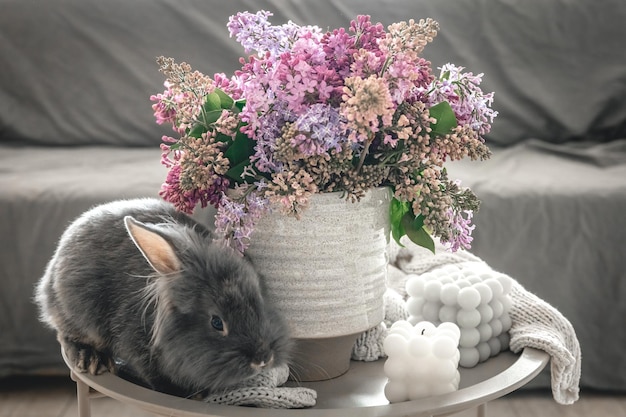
(339, 48)
(171, 191)
(183, 98)
(256, 84)
(367, 63)
(407, 78)
(185, 199)
(229, 85)
(166, 151)
(408, 38)
(367, 34)
(165, 106)
(366, 103)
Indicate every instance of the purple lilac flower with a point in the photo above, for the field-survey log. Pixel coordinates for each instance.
(255, 33)
(269, 129)
(461, 230)
(213, 194)
(235, 220)
(324, 127)
(462, 90)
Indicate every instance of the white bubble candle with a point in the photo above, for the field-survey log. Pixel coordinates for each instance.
(422, 360)
(475, 298)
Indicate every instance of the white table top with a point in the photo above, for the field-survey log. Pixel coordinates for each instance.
(360, 389)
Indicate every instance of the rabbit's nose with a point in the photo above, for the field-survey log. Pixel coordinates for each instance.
(262, 364)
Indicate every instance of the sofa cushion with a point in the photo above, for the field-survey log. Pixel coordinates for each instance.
(82, 72)
(42, 190)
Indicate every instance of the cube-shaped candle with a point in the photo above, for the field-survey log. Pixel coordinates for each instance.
(422, 360)
(472, 296)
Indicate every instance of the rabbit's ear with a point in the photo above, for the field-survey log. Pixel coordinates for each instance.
(157, 251)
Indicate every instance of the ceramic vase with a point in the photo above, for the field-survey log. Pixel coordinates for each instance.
(326, 272)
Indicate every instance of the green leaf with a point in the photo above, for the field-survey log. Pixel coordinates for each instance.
(398, 209)
(418, 221)
(197, 131)
(414, 228)
(235, 172)
(240, 135)
(239, 104)
(446, 119)
(239, 153)
(225, 101)
(220, 137)
(404, 222)
(174, 146)
(396, 212)
(211, 116)
(240, 150)
(212, 102)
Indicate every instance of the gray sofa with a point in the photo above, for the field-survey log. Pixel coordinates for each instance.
(76, 129)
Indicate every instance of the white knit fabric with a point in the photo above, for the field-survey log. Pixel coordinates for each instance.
(369, 345)
(539, 325)
(264, 390)
(535, 323)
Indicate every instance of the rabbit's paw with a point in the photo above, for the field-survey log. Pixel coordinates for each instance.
(87, 359)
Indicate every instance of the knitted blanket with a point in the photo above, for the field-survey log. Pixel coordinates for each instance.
(264, 390)
(535, 324)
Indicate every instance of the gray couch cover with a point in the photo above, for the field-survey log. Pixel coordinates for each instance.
(76, 129)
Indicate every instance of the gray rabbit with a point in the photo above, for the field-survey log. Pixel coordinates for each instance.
(136, 282)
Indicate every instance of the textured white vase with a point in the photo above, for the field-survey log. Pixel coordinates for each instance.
(327, 270)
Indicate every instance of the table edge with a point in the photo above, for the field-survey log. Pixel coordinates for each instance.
(528, 365)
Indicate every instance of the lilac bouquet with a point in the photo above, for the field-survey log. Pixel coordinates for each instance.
(316, 112)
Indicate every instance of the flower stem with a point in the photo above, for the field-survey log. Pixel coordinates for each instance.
(366, 148)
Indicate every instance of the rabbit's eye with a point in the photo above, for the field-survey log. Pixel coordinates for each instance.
(217, 323)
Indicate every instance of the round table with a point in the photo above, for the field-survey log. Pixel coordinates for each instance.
(358, 392)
